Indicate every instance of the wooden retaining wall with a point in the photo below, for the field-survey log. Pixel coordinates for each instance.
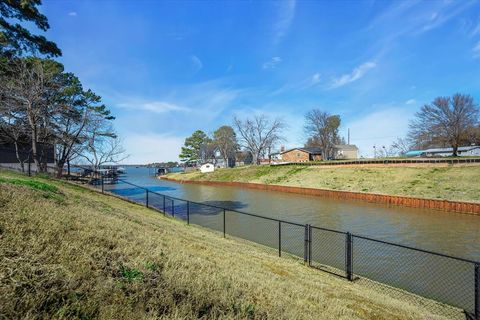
(443, 205)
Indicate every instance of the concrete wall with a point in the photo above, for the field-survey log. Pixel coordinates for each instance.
(443, 205)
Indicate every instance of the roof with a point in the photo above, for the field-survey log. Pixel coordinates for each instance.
(441, 150)
(346, 146)
(310, 150)
(414, 153)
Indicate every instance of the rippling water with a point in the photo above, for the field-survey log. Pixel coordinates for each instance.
(451, 233)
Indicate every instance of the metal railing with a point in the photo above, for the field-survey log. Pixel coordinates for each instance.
(440, 277)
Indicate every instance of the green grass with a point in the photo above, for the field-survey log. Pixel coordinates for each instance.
(94, 256)
(450, 182)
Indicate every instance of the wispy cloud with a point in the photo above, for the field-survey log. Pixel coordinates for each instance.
(153, 106)
(446, 13)
(196, 63)
(161, 147)
(355, 75)
(72, 14)
(379, 128)
(272, 63)
(284, 18)
(316, 78)
(476, 50)
(411, 101)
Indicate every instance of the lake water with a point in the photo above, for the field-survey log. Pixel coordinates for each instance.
(451, 233)
(434, 276)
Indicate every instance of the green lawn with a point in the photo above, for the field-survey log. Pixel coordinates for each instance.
(67, 252)
(451, 182)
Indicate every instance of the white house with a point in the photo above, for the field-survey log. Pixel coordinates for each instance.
(207, 167)
(448, 152)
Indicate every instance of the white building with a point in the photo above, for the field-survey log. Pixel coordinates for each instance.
(207, 167)
(469, 151)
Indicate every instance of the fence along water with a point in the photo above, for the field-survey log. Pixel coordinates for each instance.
(446, 279)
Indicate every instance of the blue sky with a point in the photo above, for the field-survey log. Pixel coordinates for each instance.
(167, 68)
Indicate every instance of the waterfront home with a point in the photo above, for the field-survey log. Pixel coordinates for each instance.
(468, 151)
(207, 167)
(13, 159)
(301, 154)
(346, 151)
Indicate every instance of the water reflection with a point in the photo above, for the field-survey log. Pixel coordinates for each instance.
(451, 233)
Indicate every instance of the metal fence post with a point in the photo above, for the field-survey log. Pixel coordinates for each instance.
(349, 256)
(164, 212)
(103, 188)
(305, 245)
(146, 198)
(279, 238)
(188, 212)
(477, 291)
(224, 225)
(173, 208)
(310, 245)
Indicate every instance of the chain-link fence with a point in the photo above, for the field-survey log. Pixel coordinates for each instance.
(442, 278)
(449, 280)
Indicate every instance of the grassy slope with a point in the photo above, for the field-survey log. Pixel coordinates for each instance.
(68, 252)
(426, 181)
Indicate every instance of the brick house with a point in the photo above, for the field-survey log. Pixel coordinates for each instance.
(301, 155)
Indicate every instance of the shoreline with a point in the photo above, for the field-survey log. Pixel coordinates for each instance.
(464, 207)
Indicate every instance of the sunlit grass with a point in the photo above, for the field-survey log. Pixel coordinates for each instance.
(450, 182)
(95, 256)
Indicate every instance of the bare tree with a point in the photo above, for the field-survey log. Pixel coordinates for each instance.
(258, 134)
(30, 84)
(400, 147)
(101, 145)
(13, 129)
(323, 131)
(446, 121)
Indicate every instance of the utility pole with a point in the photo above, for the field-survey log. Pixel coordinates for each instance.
(348, 135)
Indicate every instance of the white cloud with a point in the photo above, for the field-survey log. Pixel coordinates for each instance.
(272, 63)
(411, 101)
(153, 106)
(476, 50)
(72, 14)
(316, 78)
(284, 19)
(196, 63)
(356, 74)
(148, 148)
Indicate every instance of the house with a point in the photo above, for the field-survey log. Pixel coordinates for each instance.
(207, 167)
(8, 157)
(243, 158)
(301, 154)
(448, 152)
(346, 151)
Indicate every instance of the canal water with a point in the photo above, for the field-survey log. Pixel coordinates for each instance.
(437, 277)
(446, 232)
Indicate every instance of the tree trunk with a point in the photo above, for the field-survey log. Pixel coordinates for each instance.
(17, 153)
(455, 150)
(59, 168)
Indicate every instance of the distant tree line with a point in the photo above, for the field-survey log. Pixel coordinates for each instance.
(43, 105)
(256, 135)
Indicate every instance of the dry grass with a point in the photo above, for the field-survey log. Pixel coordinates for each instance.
(450, 182)
(68, 252)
